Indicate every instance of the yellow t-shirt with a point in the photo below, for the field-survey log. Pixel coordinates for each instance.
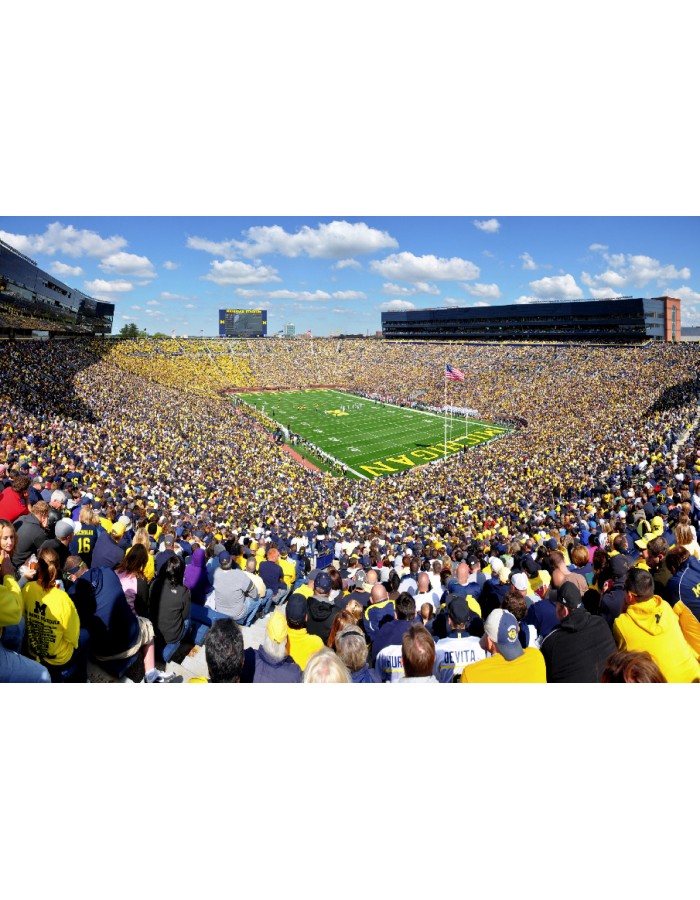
(11, 606)
(290, 570)
(53, 625)
(528, 668)
(302, 645)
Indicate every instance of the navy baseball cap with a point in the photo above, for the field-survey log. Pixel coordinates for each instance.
(502, 627)
(297, 609)
(530, 566)
(458, 609)
(322, 583)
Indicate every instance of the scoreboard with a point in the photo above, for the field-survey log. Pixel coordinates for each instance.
(243, 323)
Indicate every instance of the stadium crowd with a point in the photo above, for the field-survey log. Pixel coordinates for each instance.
(141, 510)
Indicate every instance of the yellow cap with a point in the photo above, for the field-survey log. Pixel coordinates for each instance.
(277, 627)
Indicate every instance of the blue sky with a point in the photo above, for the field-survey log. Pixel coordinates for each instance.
(329, 274)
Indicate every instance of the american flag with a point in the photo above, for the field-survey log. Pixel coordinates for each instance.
(452, 374)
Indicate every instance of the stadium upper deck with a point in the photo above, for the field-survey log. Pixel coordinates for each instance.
(624, 320)
(33, 300)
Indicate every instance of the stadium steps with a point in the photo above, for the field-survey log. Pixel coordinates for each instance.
(687, 432)
(189, 661)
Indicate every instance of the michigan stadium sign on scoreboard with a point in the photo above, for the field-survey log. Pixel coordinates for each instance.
(243, 323)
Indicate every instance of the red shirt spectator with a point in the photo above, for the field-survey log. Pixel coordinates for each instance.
(13, 500)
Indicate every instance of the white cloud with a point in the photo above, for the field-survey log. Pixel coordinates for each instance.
(64, 271)
(690, 316)
(215, 248)
(557, 287)
(234, 272)
(420, 287)
(490, 226)
(152, 303)
(482, 303)
(170, 266)
(156, 313)
(189, 306)
(166, 295)
(527, 299)
(396, 290)
(643, 269)
(604, 293)
(136, 307)
(423, 287)
(128, 264)
(347, 264)
(528, 262)
(307, 296)
(483, 290)
(328, 240)
(344, 311)
(684, 293)
(128, 317)
(65, 239)
(407, 267)
(100, 286)
(397, 305)
(598, 247)
(633, 271)
(613, 279)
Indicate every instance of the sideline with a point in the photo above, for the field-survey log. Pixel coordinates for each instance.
(424, 412)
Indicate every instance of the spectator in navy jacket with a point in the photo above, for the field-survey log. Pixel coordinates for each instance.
(107, 551)
(273, 664)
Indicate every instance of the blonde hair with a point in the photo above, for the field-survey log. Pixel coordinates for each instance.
(141, 537)
(354, 607)
(88, 516)
(325, 667)
(683, 535)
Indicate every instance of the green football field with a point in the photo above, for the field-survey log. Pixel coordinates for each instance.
(370, 438)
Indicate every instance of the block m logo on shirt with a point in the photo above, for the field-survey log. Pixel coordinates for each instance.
(39, 608)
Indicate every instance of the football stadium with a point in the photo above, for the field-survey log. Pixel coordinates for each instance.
(505, 496)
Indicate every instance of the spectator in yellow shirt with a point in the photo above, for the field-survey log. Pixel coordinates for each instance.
(302, 645)
(508, 662)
